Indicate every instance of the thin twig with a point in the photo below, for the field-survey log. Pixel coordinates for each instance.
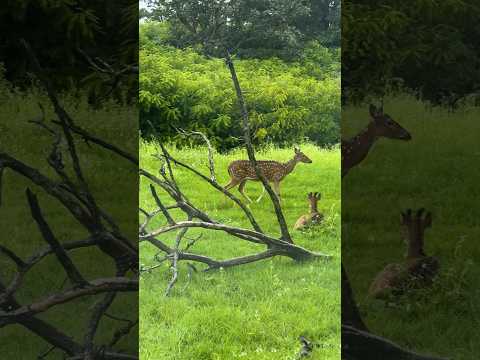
(122, 332)
(161, 206)
(210, 150)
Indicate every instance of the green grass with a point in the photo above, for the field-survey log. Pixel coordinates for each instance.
(256, 311)
(114, 183)
(437, 170)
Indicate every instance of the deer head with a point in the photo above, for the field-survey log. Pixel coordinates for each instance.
(301, 157)
(385, 126)
(313, 198)
(415, 226)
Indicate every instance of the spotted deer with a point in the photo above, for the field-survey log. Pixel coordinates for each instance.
(241, 171)
(417, 270)
(314, 217)
(356, 149)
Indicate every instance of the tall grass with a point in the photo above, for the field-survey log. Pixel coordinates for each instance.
(256, 311)
(436, 170)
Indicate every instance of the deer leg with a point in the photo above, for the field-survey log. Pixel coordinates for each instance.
(241, 188)
(276, 189)
(261, 196)
(233, 182)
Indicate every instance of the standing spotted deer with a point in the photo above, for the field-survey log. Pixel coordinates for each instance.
(355, 150)
(241, 171)
(417, 270)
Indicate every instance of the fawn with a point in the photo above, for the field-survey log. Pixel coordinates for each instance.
(418, 270)
(314, 217)
(356, 149)
(241, 171)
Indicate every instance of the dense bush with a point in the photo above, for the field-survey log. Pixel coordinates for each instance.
(428, 47)
(255, 29)
(288, 102)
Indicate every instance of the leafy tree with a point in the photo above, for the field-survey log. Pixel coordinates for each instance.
(250, 28)
(288, 102)
(429, 47)
(57, 29)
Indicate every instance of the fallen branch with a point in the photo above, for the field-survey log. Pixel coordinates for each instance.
(358, 344)
(94, 287)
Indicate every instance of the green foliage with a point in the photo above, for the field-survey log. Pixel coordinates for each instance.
(430, 47)
(259, 310)
(287, 102)
(56, 29)
(258, 29)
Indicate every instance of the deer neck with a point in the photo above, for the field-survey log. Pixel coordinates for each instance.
(415, 250)
(290, 165)
(358, 147)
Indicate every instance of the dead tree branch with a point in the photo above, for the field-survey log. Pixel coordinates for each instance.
(358, 344)
(72, 272)
(71, 189)
(211, 163)
(251, 153)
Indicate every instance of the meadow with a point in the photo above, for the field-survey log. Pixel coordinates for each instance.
(103, 171)
(258, 310)
(437, 170)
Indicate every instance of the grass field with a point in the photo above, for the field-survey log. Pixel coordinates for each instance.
(437, 170)
(256, 311)
(114, 183)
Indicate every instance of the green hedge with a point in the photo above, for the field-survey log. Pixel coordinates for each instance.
(288, 103)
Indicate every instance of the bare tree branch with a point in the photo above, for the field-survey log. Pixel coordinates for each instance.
(10, 254)
(358, 344)
(40, 327)
(91, 138)
(161, 206)
(98, 311)
(211, 163)
(95, 287)
(35, 259)
(220, 188)
(75, 196)
(175, 256)
(251, 153)
(120, 333)
(72, 272)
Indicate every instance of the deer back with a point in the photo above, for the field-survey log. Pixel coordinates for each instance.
(244, 169)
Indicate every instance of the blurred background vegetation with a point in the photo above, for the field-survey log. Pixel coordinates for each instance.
(59, 31)
(426, 47)
(288, 63)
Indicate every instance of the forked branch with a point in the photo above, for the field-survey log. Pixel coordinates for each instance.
(251, 153)
(74, 193)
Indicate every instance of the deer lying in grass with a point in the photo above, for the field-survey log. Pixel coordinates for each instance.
(356, 149)
(314, 217)
(241, 171)
(418, 270)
